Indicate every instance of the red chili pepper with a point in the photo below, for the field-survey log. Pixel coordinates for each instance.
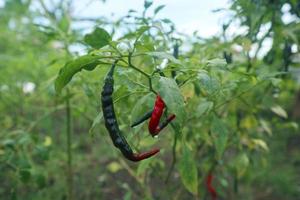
(210, 188)
(142, 156)
(154, 126)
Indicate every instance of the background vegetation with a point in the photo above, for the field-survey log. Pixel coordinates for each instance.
(237, 114)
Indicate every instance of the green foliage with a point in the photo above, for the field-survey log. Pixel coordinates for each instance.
(98, 38)
(66, 73)
(219, 135)
(188, 170)
(159, 8)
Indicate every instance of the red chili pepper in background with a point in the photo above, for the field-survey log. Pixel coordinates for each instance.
(154, 126)
(210, 188)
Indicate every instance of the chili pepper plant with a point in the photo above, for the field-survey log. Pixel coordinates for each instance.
(132, 108)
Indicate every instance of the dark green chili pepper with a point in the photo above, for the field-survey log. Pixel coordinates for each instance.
(269, 57)
(111, 123)
(176, 55)
(146, 116)
(228, 57)
(287, 53)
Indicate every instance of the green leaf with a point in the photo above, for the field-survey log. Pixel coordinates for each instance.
(159, 8)
(144, 46)
(25, 175)
(241, 162)
(98, 38)
(204, 107)
(142, 30)
(292, 125)
(144, 166)
(279, 111)
(260, 144)
(132, 11)
(136, 34)
(188, 171)
(66, 73)
(266, 127)
(147, 4)
(128, 195)
(167, 21)
(41, 181)
(164, 55)
(64, 23)
(219, 135)
(170, 93)
(207, 83)
(23, 163)
(217, 62)
(96, 121)
(42, 153)
(223, 182)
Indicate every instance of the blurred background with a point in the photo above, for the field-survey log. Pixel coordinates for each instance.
(56, 146)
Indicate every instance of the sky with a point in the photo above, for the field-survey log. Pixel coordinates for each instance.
(188, 15)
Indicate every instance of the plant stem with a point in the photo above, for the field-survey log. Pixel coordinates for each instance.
(238, 95)
(135, 68)
(142, 72)
(140, 180)
(173, 156)
(69, 151)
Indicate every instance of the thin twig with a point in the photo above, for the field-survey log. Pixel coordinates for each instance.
(238, 95)
(142, 72)
(173, 156)
(69, 150)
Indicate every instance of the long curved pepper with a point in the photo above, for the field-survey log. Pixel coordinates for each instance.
(154, 126)
(210, 188)
(111, 123)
